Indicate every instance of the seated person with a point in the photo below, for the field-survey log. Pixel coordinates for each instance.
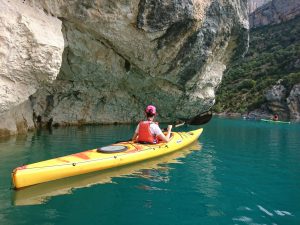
(275, 117)
(148, 131)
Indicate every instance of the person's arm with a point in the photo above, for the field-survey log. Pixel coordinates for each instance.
(134, 137)
(166, 138)
(136, 134)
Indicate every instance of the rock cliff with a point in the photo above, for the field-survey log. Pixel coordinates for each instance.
(293, 103)
(254, 4)
(266, 81)
(274, 12)
(286, 105)
(119, 56)
(31, 47)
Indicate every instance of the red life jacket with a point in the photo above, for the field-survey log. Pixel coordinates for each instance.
(145, 134)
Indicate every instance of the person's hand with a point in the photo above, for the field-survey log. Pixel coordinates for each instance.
(169, 128)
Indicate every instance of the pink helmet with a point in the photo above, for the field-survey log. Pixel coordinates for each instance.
(151, 109)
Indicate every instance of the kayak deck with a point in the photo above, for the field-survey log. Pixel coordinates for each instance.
(92, 160)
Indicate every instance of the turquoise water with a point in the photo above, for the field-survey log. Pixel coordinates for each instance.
(240, 172)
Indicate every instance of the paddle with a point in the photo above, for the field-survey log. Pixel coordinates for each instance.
(200, 119)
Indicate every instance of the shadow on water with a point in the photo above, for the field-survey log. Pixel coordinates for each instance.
(39, 194)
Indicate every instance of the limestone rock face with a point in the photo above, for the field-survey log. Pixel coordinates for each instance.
(254, 4)
(277, 93)
(286, 105)
(276, 101)
(31, 46)
(17, 120)
(293, 102)
(121, 55)
(274, 12)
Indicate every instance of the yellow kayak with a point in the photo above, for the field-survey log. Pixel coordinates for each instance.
(39, 194)
(98, 159)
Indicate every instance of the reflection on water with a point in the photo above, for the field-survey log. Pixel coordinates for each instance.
(206, 182)
(155, 170)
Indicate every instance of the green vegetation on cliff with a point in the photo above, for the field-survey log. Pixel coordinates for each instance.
(274, 54)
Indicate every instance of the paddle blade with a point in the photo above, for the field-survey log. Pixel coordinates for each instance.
(201, 119)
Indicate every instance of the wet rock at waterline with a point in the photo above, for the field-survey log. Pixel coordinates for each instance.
(122, 55)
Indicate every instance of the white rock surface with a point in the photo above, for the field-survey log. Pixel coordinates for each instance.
(31, 46)
(17, 120)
